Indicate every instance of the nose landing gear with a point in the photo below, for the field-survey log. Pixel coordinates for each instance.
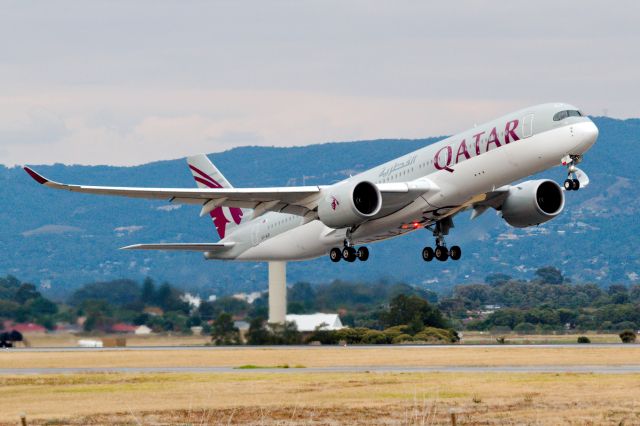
(441, 252)
(576, 178)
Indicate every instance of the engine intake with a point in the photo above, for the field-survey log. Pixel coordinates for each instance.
(348, 204)
(532, 202)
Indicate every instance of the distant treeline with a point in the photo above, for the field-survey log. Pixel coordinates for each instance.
(546, 303)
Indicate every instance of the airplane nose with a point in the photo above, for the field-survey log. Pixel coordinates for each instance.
(587, 134)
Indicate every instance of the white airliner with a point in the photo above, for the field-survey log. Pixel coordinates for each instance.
(423, 189)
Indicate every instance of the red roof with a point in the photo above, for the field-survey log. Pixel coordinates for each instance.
(26, 328)
(123, 328)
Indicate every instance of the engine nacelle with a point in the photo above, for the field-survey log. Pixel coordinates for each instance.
(532, 202)
(349, 204)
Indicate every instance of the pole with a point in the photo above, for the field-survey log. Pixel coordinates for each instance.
(277, 292)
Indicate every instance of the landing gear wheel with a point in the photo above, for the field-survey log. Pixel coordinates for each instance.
(335, 254)
(427, 254)
(455, 252)
(363, 253)
(349, 254)
(575, 184)
(568, 185)
(441, 253)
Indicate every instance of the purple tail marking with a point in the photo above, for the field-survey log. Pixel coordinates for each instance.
(219, 219)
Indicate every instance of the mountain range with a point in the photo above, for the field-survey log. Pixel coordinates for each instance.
(62, 240)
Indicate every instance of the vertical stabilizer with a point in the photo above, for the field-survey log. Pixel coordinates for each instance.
(206, 175)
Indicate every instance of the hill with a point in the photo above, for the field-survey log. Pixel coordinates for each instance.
(61, 240)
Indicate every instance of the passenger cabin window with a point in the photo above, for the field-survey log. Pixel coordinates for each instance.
(567, 113)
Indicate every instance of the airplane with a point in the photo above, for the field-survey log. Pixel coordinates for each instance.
(424, 189)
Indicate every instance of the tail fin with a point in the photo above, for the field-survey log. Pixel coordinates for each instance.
(207, 175)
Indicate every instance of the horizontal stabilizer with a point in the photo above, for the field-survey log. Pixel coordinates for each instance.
(204, 247)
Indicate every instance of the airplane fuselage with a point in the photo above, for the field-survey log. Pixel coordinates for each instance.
(463, 167)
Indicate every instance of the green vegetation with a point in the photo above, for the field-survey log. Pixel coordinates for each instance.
(548, 303)
(376, 313)
(628, 336)
(583, 339)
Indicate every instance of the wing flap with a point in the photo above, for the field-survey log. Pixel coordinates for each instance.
(181, 246)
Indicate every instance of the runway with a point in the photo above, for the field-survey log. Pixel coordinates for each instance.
(319, 348)
(583, 369)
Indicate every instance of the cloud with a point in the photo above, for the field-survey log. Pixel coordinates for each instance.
(32, 125)
(51, 229)
(127, 83)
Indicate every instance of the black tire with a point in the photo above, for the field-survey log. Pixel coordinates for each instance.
(575, 184)
(568, 185)
(335, 254)
(363, 253)
(441, 253)
(427, 254)
(455, 253)
(349, 254)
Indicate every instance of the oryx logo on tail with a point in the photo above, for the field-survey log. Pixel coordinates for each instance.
(207, 175)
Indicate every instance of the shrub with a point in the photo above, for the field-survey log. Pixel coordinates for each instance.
(525, 328)
(375, 337)
(584, 339)
(402, 338)
(436, 335)
(628, 336)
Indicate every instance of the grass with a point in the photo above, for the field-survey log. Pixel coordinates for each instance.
(254, 367)
(349, 398)
(324, 356)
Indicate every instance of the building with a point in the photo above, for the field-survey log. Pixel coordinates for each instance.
(142, 330)
(123, 328)
(307, 323)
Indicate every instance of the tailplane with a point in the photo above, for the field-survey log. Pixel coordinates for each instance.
(206, 175)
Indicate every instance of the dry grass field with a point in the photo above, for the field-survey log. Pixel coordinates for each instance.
(301, 397)
(317, 398)
(329, 357)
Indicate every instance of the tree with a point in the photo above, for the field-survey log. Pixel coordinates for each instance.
(497, 279)
(550, 275)
(42, 306)
(258, 333)
(224, 332)
(148, 291)
(403, 310)
(26, 292)
(628, 336)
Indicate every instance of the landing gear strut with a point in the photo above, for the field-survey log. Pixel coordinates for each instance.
(349, 252)
(441, 252)
(572, 183)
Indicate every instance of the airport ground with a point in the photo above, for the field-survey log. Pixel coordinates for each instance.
(500, 384)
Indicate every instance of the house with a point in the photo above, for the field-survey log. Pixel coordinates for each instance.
(142, 330)
(307, 323)
(25, 328)
(123, 328)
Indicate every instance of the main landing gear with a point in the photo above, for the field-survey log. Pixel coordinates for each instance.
(441, 252)
(576, 178)
(349, 252)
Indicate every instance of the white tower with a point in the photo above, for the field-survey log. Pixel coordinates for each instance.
(277, 292)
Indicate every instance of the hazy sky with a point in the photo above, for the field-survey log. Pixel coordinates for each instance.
(119, 82)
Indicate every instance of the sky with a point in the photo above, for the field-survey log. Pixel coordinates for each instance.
(125, 83)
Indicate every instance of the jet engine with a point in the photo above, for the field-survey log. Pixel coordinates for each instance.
(348, 204)
(532, 202)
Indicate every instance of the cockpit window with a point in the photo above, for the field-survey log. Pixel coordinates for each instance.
(567, 113)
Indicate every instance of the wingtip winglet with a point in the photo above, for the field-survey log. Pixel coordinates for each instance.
(37, 177)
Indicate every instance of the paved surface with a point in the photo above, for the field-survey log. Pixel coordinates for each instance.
(319, 348)
(593, 369)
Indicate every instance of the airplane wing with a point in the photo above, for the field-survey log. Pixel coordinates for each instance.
(181, 246)
(298, 200)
